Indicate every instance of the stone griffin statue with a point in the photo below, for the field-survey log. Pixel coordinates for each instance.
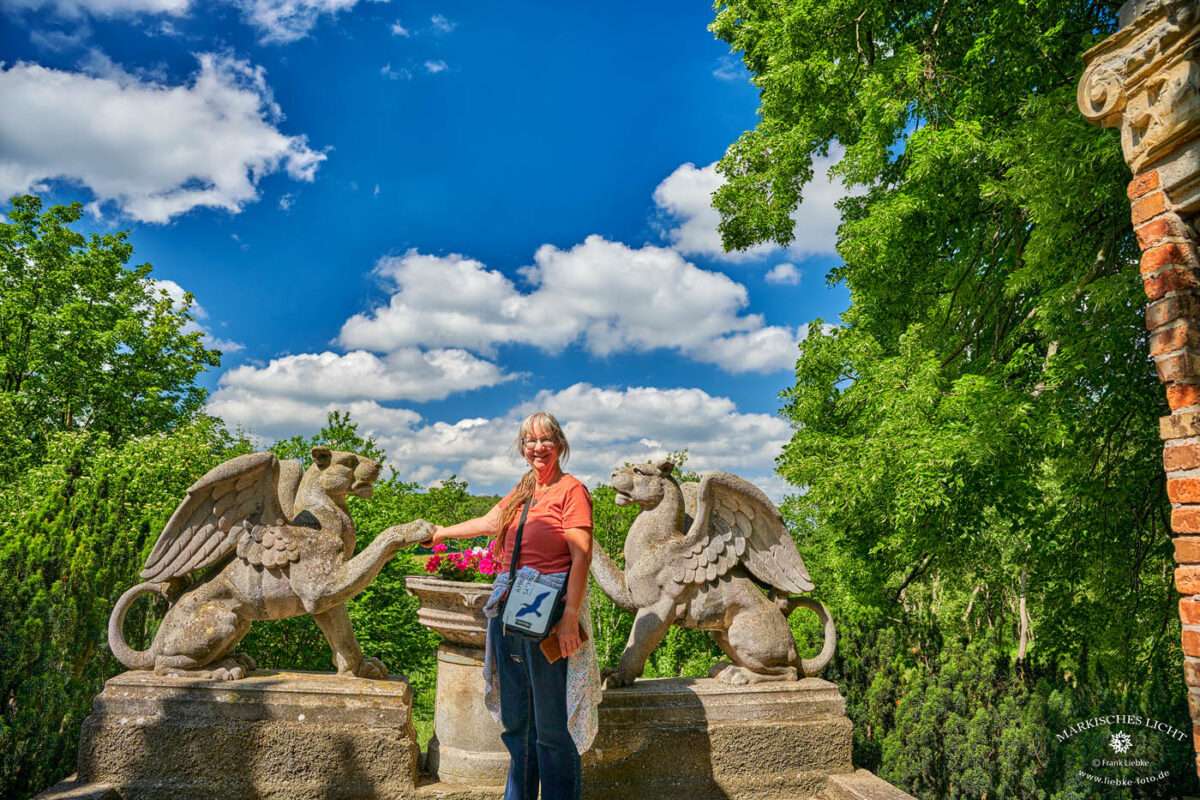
(277, 545)
(696, 556)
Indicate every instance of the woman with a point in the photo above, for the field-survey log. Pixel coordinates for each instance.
(548, 710)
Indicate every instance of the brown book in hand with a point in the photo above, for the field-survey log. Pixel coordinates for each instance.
(550, 646)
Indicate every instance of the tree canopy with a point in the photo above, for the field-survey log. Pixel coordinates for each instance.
(87, 343)
(976, 437)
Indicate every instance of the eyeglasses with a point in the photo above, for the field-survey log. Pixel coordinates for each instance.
(532, 443)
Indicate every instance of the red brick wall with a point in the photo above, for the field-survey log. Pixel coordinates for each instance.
(1171, 275)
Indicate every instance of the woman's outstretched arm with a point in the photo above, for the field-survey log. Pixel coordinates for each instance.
(487, 525)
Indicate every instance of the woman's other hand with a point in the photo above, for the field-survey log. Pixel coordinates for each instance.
(567, 631)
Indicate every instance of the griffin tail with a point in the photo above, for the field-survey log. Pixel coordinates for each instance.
(811, 666)
(134, 659)
(611, 579)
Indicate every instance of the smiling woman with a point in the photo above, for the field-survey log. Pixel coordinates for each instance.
(544, 528)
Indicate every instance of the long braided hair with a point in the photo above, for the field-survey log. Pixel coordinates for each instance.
(524, 490)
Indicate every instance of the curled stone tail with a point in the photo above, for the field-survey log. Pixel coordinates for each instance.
(811, 666)
(134, 659)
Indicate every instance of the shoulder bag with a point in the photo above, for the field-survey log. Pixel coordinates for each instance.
(532, 607)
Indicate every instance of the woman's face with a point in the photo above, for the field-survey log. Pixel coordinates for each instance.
(540, 450)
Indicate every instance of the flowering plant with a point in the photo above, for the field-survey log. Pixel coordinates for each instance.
(476, 565)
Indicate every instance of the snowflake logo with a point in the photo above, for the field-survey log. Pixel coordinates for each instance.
(1120, 742)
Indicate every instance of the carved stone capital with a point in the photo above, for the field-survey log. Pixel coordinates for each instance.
(1145, 79)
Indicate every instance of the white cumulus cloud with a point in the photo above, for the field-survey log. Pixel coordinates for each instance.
(606, 427)
(155, 150)
(103, 8)
(684, 200)
(404, 374)
(283, 21)
(273, 417)
(605, 295)
(784, 274)
(277, 21)
(176, 293)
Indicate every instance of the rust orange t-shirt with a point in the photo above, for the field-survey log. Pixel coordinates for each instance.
(566, 504)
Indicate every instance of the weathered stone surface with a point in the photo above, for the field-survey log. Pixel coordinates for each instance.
(1141, 79)
(440, 790)
(861, 785)
(290, 735)
(702, 738)
(73, 789)
(700, 576)
(1179, 426)
(453, 609)
(466, 746)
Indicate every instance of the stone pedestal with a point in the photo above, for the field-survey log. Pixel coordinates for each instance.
(290, 735)
(466, 747)
(700, 738)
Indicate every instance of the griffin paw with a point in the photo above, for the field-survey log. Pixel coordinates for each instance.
(729, 673)
(615, 678)
(244, 661)
(371, 669)
(411, 533)
(227, 669)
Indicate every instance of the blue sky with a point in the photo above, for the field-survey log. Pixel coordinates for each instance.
(437, 216)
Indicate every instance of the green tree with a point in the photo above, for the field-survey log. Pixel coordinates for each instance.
(339, 433)
(977, 438)
(74, 532)
(85, 342)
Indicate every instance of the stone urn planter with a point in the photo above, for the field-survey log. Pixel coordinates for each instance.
(466, 746)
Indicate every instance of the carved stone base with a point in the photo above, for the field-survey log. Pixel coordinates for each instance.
(466, 746)
(700, 738)
(280, 735)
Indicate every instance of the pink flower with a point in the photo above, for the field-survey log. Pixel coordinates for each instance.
(440, 547)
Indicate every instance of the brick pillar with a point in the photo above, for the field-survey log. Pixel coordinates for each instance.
(1145, 79)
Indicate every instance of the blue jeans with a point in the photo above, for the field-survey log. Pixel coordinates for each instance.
(533, 710)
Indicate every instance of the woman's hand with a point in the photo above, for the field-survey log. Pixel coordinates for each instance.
(567, 631)
(437, 537)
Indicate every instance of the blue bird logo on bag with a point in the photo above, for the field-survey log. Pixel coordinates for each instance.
(532, 606)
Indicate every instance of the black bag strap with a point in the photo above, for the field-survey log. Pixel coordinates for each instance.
(516, 553)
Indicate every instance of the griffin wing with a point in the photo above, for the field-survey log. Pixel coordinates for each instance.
(735, 522)
(234, 506)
